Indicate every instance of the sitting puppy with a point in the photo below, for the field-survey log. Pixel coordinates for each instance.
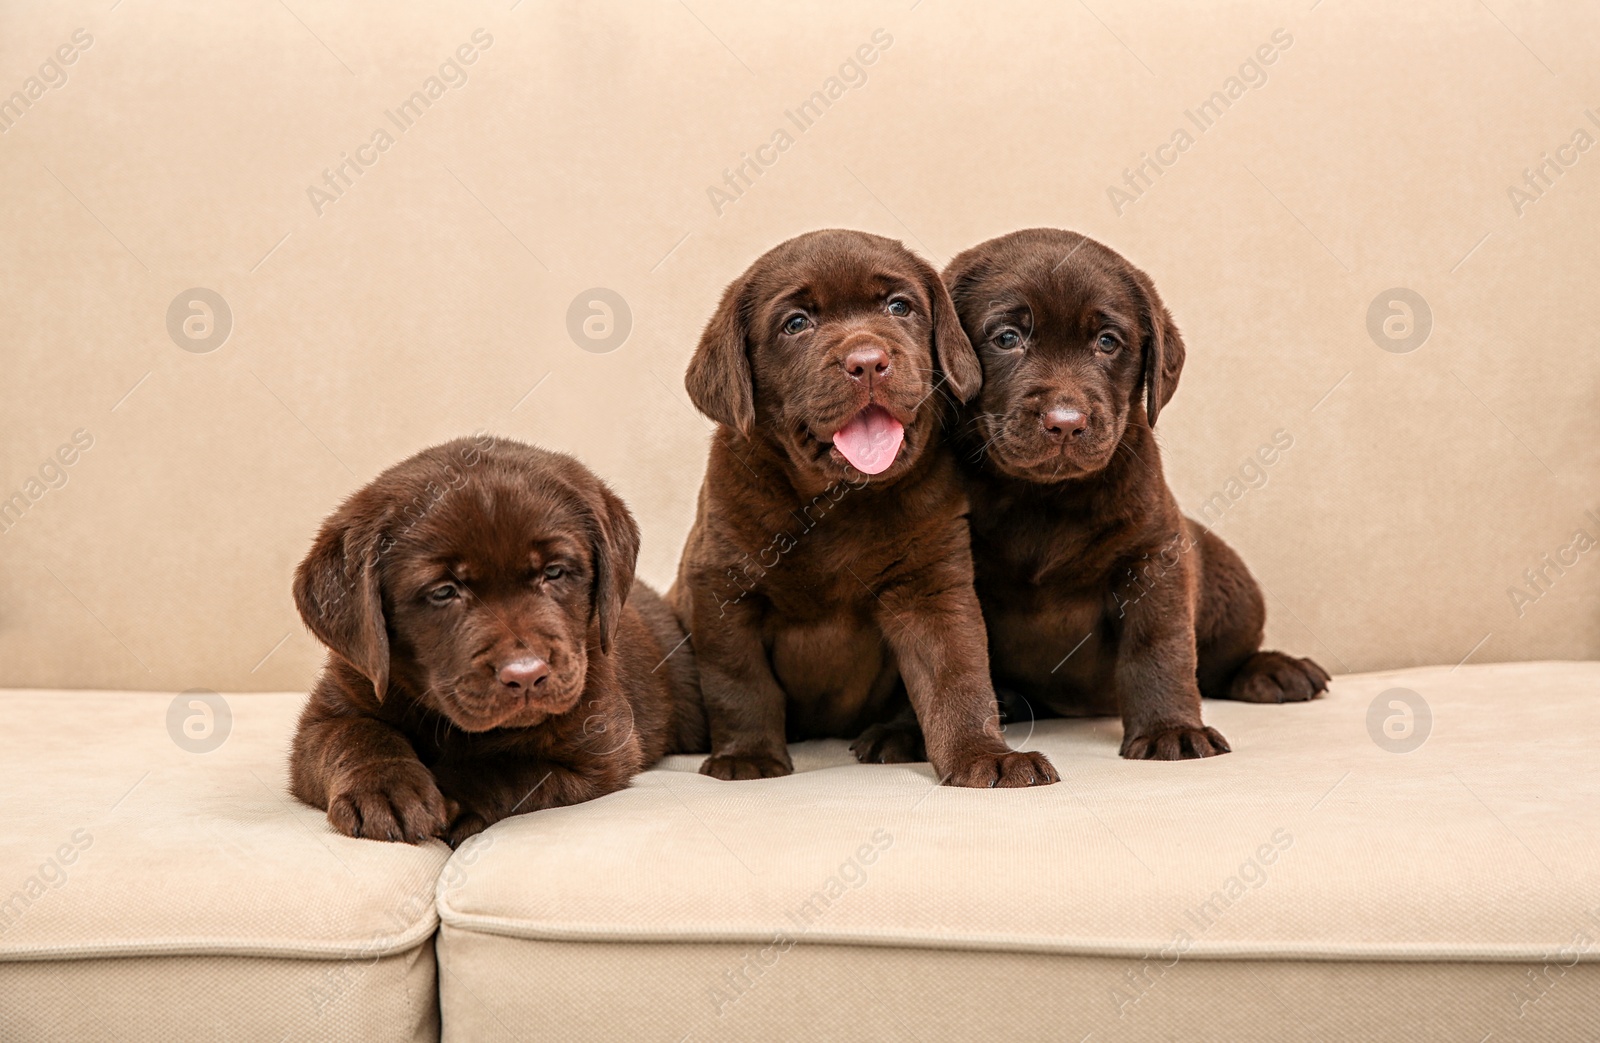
(828, 575)
(492, 653)
(1100, 596)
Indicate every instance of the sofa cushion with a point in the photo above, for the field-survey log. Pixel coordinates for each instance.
(139, 851)
(1328, 850)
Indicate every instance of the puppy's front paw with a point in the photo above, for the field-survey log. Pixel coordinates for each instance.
(1272, 677)
(395, 800)
(1173, 742)
(1006, 770)
(898, 742)
(464, 825)
(738, 766)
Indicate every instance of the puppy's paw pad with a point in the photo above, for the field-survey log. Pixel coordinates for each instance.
(395, 801)
(1174, 742)
(1272, 677)
(739, 767)
(1008, 770)
(890, 744)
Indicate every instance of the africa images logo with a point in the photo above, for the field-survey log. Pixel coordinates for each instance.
(1541, 176)
(1251, 75)
(852, 75)
(452, 75)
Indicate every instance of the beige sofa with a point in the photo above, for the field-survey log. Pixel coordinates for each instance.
(256, 253)
(1319, 883)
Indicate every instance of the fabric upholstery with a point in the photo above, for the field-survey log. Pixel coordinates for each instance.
(147, 891)
(581, 149)
(1306, 865)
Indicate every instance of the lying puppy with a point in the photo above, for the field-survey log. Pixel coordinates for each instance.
(492, 653)
(829, 574)
(1100, 596)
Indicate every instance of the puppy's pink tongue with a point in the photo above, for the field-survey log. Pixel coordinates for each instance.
(871, 440)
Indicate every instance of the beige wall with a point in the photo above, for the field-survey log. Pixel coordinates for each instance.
(430, 298)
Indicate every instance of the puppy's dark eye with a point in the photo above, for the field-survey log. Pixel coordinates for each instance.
(554, 572)
(443, 593)
(1108, 343)
(1008, 339)
(795, 324)
(900, 307)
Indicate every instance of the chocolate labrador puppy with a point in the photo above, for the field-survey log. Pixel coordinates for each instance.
(827, 582)
(1100, 596)
(491, 651)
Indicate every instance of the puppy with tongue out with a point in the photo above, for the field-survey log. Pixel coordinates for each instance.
(827, 582)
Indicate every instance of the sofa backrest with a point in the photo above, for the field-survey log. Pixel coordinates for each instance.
(253, 257)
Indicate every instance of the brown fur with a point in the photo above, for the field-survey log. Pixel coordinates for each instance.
(1099, 595)
(821, 601)
(411, 732)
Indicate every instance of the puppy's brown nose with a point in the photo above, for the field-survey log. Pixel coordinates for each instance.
(1064, 423)
(867, 363)
(524, 673)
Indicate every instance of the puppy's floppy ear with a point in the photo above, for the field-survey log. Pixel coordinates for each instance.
(616, 553)
(961, 276)
(952, 351)
(719, 381)
(337, 591)
(1163, 349)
